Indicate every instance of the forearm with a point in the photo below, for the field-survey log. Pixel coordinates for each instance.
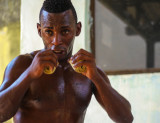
(11, 97)
(118, 107)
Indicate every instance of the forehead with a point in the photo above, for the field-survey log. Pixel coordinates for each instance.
(53, 19)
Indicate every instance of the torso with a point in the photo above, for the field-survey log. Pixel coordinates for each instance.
(62, 97)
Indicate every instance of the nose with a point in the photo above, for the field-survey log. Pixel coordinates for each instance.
(56, 39)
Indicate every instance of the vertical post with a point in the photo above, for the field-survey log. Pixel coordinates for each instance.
(150, 54)
(92, 29)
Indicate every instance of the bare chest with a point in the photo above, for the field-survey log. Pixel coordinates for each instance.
(60, 91)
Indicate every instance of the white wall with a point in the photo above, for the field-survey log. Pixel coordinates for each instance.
(30, 40)
(30, 16)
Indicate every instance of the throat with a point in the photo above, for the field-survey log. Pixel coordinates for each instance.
(64, 64)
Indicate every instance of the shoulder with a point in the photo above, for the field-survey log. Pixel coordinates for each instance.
(14, 69)
(20, 60)
(34, 53)
(20, 63)
(17, 66)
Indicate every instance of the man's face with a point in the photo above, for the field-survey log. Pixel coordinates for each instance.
(58, 31)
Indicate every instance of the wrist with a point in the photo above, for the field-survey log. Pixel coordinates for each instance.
(94, 76)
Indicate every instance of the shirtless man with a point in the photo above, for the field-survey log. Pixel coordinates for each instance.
(30, 96)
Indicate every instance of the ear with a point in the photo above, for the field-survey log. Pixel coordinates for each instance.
(39, 29)
(78, 30)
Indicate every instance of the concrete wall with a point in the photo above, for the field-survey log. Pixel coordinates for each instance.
(114, 49)
(142, 91)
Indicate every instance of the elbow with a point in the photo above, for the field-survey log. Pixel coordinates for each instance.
(3, 118)
(129, 119)
(126, 119)
(122, 117)
(5, 114)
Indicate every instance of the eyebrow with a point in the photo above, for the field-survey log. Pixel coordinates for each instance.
(65, 26)
(49, 27)
(61, 27)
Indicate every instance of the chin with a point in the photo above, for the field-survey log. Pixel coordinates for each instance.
(62, 58)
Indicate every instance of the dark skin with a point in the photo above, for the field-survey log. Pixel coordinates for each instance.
(62, 97)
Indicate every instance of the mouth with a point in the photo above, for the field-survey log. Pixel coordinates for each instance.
(59, 52)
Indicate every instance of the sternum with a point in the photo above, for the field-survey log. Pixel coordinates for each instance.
(65, 106)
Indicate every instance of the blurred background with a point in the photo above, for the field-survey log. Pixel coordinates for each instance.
(9, 33)
(122, 34)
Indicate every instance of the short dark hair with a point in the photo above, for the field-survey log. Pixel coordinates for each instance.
(58, 6)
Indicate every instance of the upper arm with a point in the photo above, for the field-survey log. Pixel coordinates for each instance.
(13, 70)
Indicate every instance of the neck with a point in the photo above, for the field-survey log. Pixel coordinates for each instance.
(65, 62)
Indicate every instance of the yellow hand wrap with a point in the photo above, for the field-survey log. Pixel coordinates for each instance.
(79, 69)
(47, 70)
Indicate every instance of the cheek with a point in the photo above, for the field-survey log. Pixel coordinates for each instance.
(70, 41)
(70, 44)
(46, 40)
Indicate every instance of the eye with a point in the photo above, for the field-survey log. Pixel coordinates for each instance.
(65, 32)
(49, 32)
